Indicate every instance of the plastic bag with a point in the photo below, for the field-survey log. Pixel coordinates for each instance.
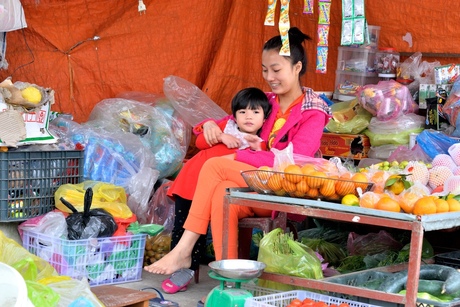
(296, 260)
(52, 224)
(106, 196)
(387, 100)
(161, 212)
(95, 223)
(435, 142)
(12, 16)
(451, 108)
(192, 104)
(403, 153)
(396, 138)
(401, 124)
(371, 243)
(348, 117)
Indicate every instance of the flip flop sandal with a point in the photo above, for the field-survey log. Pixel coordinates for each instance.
(178, 281)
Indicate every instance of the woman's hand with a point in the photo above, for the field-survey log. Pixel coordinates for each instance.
(253, 141)
(230, 141)
(211, 133)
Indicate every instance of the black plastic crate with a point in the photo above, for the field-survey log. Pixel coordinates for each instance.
(28, 180)
(451, 259)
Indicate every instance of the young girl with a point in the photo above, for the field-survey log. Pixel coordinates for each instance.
(250, 108)
(298, 116)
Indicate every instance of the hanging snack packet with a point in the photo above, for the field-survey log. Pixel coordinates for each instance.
(308, 7)
(270, 16)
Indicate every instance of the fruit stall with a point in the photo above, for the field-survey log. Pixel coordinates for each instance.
(416, 224)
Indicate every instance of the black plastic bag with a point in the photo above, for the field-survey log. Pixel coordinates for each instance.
(96, 223)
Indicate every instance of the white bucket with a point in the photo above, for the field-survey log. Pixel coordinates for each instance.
(13, 289)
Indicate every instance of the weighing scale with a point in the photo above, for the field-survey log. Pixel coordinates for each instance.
(232, 271)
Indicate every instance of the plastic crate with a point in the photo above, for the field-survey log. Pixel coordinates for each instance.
(371, 279)
(284, 298)
(450, 259)
(28, 180)
(109, 260)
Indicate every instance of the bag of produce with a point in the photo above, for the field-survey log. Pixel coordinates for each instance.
(283, 255)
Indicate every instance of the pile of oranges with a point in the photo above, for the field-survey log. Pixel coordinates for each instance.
(308, 182)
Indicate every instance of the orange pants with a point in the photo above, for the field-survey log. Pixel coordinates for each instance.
(215, 176)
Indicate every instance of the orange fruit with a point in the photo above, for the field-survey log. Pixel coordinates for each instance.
(344, 186)
(369, 200)
(441, 205)
(407, 201)
(316, 179)
(275, 182)
(292, 172)
(378, 178)
(264, 173)
(307, 169)
(289, 186)
(312, 193)
(425, 205)
(454, 205)
(328, 188)
(388, 204)
(360, 181)
(302, 187)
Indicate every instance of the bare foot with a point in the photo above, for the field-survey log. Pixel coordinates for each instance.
(170, 263)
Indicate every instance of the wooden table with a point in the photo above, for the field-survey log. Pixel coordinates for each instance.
(114, 296)
(333, 211)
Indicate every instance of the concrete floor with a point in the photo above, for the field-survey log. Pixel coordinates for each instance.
(188, 298)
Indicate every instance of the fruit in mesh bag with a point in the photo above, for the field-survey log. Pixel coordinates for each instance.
(452, 185)
(438, 175)
(417, 172)
(454, 152)
(444, 160)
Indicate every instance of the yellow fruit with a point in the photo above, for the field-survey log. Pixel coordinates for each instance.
(32, 94)
(350, 200)
(302, 187)
(265, 173)
(395, 184)
(369, 200)
(289, 186)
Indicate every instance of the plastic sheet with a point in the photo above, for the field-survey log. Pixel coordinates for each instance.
(192, 104)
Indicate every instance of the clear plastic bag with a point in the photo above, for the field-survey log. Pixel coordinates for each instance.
(387, 100)
(192, 104)
(403, 123)
(52, 224)
(12, 16)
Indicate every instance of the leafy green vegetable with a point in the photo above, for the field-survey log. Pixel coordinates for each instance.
(332, 253)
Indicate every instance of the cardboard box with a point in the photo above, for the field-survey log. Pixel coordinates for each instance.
(354, 146)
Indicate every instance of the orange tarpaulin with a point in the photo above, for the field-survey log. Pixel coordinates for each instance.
(91, 50)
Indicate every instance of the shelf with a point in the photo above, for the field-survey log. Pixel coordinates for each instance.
(333, 211)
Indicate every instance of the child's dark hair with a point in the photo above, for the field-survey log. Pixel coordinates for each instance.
(296, 38)
(251, 98)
